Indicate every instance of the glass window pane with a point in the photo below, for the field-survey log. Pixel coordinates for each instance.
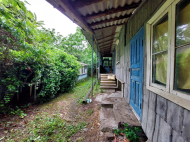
(159, 70)
(160, 32)
(182, 69)
(183, 23)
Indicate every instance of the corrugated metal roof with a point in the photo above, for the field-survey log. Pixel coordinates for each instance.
(105, 18)
(105, 5)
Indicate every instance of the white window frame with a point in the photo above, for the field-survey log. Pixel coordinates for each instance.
(167, 92)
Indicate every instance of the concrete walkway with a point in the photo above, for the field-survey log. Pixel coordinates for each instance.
(115, 111)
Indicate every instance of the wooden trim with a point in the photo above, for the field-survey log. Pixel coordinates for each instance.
(110, 20)
(112, 11)
(74, 14)
(176, 99)
(82, 3)
(160, 11)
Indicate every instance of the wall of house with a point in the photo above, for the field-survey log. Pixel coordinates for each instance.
(162, 120)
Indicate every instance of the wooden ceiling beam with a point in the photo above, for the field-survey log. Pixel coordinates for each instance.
(111, 11)
(105, 41)
(108, 27)
(108, 36)
(105, 46)
(82, 3)
(106, 49)
(110, 20)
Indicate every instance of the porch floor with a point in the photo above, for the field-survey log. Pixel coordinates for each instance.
(115, 111)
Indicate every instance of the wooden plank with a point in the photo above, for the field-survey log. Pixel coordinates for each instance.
(106, 41)
(112, 11)
(87, 95)
(107, 36)
(96, 29)
(82, 3)
(74, 15)
(105, 45)
(110, 20)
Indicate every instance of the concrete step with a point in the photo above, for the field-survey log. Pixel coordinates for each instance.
(124, 114)
(108, 84)
(107, 119)
(108, 87)
(106, 80)
(111, 84)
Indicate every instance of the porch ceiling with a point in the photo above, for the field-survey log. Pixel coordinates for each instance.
(101, 18)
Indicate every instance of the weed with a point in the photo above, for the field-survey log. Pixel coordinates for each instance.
(53, 129)
(80, 139)
(101, 91)
(130, 132)
(117, 131)
(19, 112)
(89, 112)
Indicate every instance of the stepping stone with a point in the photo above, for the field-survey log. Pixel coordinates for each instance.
(123, 113)
(107, 120)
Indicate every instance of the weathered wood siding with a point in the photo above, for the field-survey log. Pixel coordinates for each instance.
(162, 120)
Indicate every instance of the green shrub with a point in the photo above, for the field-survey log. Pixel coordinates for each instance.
(23, 45)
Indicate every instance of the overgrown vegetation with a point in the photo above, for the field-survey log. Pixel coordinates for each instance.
(130, 132)
(49, 124)
(32, 54)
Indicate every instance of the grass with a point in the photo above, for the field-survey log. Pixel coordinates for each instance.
(89, 112)
(47, 125)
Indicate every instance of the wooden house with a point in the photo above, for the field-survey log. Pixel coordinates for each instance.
(149, 42)
(83, 71)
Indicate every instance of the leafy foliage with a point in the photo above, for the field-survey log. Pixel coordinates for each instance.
(131, 132)
(25, 47)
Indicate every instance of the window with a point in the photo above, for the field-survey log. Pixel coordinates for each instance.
(168, 51)
(106, 63)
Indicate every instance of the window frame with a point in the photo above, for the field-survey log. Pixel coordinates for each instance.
(167, 92)
(167, 11)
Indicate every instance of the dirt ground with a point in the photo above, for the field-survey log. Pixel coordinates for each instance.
(69, 110)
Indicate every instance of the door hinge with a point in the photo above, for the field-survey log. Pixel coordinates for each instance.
(140, 106)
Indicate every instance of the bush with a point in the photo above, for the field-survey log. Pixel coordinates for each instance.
(25, 47)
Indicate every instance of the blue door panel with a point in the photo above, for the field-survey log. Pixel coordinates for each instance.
(136, 79)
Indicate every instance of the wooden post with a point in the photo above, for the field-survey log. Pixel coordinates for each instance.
(92, 62)
(96, 64)
(99, 61)
(35, 92)
(18, 93)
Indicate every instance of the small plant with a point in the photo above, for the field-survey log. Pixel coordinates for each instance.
(101, 91)
(131, 132)
(117, 131)
(89, 112)
(19, 112)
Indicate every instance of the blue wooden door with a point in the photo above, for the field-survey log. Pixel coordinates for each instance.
(136, 79)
